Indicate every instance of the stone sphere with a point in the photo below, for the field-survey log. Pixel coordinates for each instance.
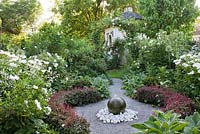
(116, 105)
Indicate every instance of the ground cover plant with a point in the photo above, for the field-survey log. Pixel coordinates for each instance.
(82, 96)
(165, 123)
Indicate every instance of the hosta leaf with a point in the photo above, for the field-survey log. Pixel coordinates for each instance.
(158, 123)
(196, 117)
(165, 126)
(198, 123)
(139, 126)
(153, 127)
(187, 130)
(161, 117)
(196, 131)
(155, 131)
(178, 127)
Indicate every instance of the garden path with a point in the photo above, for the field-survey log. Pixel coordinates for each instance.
(98, 127)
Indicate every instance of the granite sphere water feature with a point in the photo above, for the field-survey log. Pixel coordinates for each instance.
(116, 105)
(116, 112)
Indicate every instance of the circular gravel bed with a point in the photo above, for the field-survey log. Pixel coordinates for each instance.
(98, 127)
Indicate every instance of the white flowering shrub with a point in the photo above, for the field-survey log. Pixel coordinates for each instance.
(24, 93)
(188, 74)
(159, 51)
(56, 71)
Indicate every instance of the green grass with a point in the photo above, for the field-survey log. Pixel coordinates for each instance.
(116, 73)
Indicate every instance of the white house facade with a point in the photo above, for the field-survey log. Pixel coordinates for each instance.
(113, 33)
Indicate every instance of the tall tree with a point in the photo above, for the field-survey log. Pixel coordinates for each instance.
(79, 14)
(15, 14)
(168, 15)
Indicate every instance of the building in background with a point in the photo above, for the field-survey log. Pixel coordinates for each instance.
(113, 33)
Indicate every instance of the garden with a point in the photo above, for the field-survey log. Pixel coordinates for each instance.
(60, 74)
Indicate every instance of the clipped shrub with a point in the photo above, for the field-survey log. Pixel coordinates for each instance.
(162, 123)
(151, 94)
(179, 103)
(166, 98)
(80, 96)
(63, 117)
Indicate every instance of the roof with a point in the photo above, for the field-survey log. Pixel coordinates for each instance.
(133, 15)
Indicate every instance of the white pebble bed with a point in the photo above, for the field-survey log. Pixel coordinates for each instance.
(107, 117)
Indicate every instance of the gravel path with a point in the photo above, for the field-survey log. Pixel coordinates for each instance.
(98, 127)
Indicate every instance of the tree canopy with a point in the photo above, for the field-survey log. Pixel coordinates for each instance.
(168, 15)
(16, 14)
(79, 14)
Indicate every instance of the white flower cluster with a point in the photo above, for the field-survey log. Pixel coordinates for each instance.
(38, 105)
(141, 36)
(115, 20)
(14, 77)
(107, 117)
(190, 61)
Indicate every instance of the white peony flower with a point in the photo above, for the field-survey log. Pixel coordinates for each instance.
(44, 90)
(48, 54)
(55, 65)
(4, 52)
(191, 73)
(22, 61)
(43, 71)
(48, 110)
(182, 56)
(37, 103)
(189, 55)
(185, 65)
(26, 102)
(198, 71)
(13, 65)
(177, 62)
(197, 65)
(32, 62)
(14, 77)
(35, 87)
(45, 62)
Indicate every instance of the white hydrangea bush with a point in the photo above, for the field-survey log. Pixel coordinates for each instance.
(57, 70)
(25, 88)
(190, 63)
(188, 74)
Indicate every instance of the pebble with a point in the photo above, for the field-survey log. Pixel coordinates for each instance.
(107, 117)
